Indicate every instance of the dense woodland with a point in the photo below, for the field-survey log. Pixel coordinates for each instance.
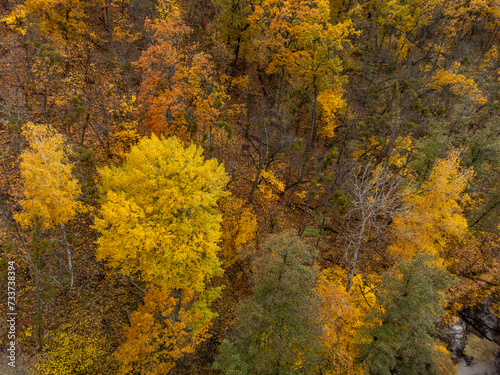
(250, 186)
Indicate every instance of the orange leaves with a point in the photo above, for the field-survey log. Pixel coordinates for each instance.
(178, 92)
(161, 333)
(50, 190)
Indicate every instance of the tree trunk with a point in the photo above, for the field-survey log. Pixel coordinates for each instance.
(280, 95)
(356, 252)
(314, 115)
(70, 263)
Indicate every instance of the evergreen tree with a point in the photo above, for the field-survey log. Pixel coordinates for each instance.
(277, 329)
(401, 339)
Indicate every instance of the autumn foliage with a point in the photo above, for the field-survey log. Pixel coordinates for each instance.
(250, 187)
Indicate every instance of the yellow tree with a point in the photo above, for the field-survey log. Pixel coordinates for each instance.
(320, 68)
(50, 190)
(400, 19)
(434, 212)
(159, 219)
(50, 193)
(300, 42)
(239, 225)
(342, 315)
(61, 21)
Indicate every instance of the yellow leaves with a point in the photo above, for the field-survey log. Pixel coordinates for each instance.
(463, 15)
(61, 21)
(342, 315)
(159, 214)
(290, 28)
(444, 363)
(405, 16)
(74, 349)
(489, 60)
(128, 235)
(495, 309)
(50, 190)
(330, 102)
(240, 82)
(459, 85)
(158, 218)
(268, 184)
(474, 260)
(434, 212)
(15, 20)
(401, 149)
(239, 225)
(166, 9)
(124, 125)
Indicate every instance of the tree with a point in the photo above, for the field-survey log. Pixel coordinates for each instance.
(434, 212)
(178, 91)
(165, 328)
(302, 43)
(342, 315)
(375, 195)
(239, 225)
(61, 21)
(159, 218)
(50, 190)
(159, 211)
(50, 193)
(400, 340)
(277, 329)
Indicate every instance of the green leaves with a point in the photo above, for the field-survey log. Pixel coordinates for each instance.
(401, 340)
(277, 329)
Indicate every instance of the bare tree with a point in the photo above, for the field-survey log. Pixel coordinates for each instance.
(376, 198)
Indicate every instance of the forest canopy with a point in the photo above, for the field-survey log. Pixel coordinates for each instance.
(250, 187)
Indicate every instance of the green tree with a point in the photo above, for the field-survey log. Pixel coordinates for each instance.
(277, 329)
(400, 340)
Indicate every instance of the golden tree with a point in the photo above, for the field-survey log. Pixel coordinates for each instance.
(159, 219)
